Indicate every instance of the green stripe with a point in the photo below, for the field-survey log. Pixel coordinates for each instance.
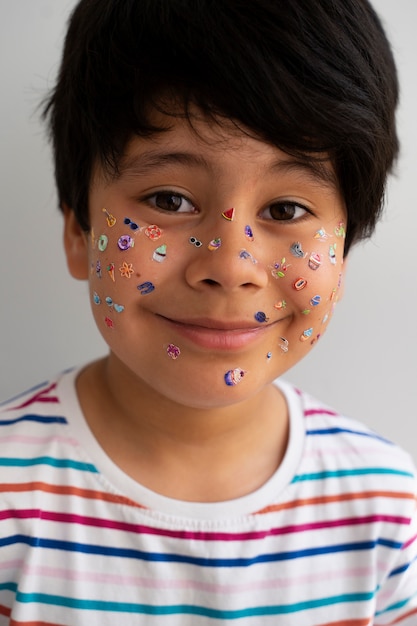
(363, 471)
(187, 609)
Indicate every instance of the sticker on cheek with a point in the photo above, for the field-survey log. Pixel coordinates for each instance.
(284, 344)
(110, 271)
(195, 242)
(306, 334)
(280, 305)
(131, 224)
(160, 254)
(261, 317)
(234, 377)
(215, 244)
(332, 254)
(269, 356)
(102, 242)
(340, 230)
(321, 235)
(173, 351)
(314, 261)
(125, 242)
(244, 254)
(315, 300)
(279, 269)
(153, 232)
(249, 233)
(297, 250)
(110, 219)
(146, 287)
(109, 322)
(126, 269)
(98, 269)
(96, 298)
(300, 284)
(229, 215)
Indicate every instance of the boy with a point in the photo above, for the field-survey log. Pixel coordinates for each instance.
(214, 162)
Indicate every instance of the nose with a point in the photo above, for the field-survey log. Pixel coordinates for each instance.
(226, 262)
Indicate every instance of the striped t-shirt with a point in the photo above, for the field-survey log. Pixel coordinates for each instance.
(330, 539)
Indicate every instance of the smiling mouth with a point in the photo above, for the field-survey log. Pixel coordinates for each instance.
(219, 335)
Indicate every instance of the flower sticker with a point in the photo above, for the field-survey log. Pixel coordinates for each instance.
(126, 269)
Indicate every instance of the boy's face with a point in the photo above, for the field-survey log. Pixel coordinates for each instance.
(214, 261)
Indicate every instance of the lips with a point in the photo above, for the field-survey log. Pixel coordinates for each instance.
(218, 335)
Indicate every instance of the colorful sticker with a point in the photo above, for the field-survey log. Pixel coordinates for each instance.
(233, 377)
(340, 230)
(300, 284)
(126, 269)
(111, 220)
(332, 253)
(296, 250)
(280, 305)
(314, 261)
(279, 269)
(160, 254)
(195, 242)
(229, 214)
(261, 317)
(244, 254)
(98, 269)
(125, 242)
(146, 287)
(103, 240)
(96, 298)
(269, 356)
(315, 300)
(249, 232)
(284, 344)
(173, 351)
(110, 271)
(131, 224)
(109, 322)
(153, 232)
(321, 235)
(306, 334)
(215, 244)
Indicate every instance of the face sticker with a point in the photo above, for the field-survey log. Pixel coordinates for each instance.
(160, 254)
(98, 269)
(110, 271)
(146, 287)
(332, 253)
(215, 244)
(110, 219)
(153, 232)
(119, 308)
(195, 242)
(173, 351)
(279, 269)
(297, 250)
(321, 235)
(126, 269)
(314, 261)
(234, 377)
(340, 230)
(131, 224)
(96, 298)
(109, 322)
(300, 284)
(269, 356)
(249, 232)
(125, 242)
(229, 215)
(261, 317)
(244, 254)
(306, 334)
(102, 242)
(315, 300)
(284, 344)
(280, 305)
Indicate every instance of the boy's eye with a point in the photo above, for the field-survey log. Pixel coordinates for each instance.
(171, 202)
(284, 211)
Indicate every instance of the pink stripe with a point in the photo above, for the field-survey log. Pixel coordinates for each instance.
(312, 412)
(42, 440)
(41, 396)
(409, 542)
(176, 584)
(197, 536)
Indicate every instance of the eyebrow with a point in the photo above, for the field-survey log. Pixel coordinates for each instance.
(316, 169)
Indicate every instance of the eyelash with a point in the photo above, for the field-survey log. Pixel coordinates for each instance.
(166, 193)
(296, 206)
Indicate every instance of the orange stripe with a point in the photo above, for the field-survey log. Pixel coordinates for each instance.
(4, 610)
(336, 498)
(13, 622)
(367, 621)
(90, 494)
(400, 619)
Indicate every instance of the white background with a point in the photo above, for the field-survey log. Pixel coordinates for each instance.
(45, 320)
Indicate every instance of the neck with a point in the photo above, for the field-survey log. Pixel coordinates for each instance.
(183, 452)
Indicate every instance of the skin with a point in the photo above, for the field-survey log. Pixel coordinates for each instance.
(174, 424)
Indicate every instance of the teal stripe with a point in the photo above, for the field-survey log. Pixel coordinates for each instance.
(47, 460)
(397, 605)
(188, 609)
(362, 471)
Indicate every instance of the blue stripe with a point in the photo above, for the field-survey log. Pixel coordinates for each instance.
(25, 393)
(402, 568)
(397, 605)
(335, 431)
(41, 419)
(69, 546)
(187, 609)
(361, 471)
(48, 460)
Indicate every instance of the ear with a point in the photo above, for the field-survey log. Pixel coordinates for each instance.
(76, 245)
